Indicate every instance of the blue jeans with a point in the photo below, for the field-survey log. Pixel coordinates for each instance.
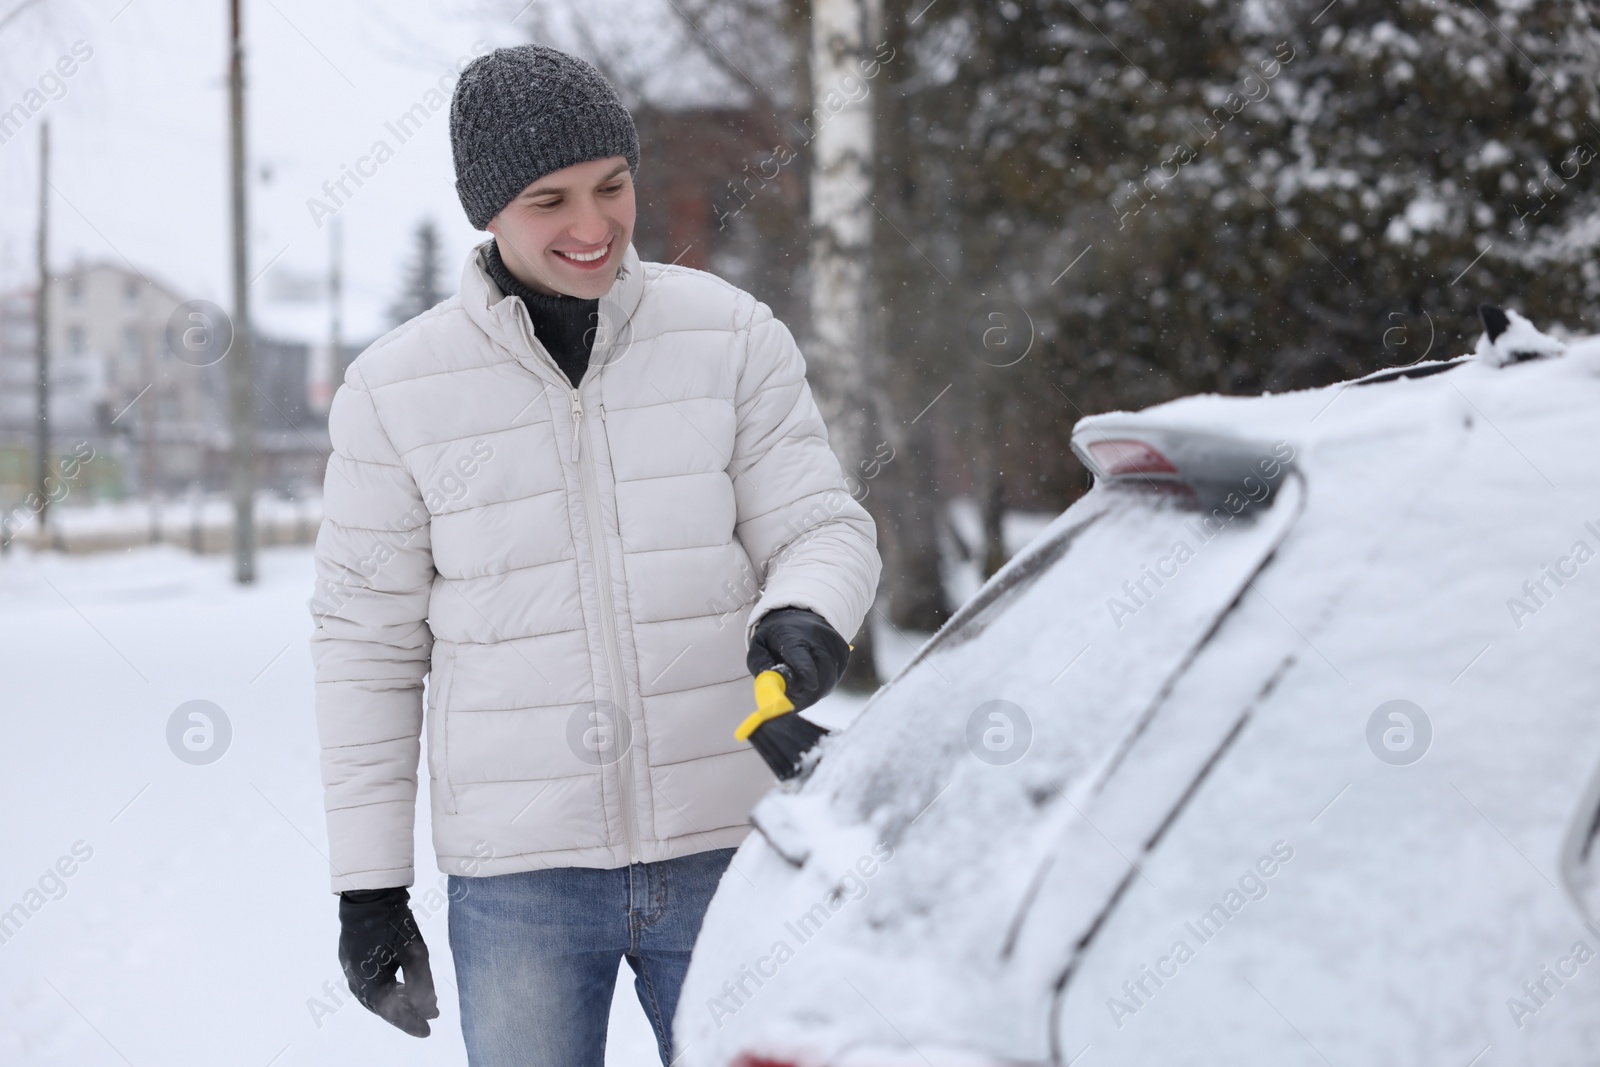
(537, 952)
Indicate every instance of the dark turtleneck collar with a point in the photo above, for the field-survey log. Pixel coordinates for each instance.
(563, 324)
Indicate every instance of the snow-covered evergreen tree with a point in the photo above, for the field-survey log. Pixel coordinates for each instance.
(1186, 195)
(420, 288)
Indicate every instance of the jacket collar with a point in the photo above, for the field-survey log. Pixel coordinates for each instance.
(506, 322)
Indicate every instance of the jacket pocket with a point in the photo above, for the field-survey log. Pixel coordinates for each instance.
(439, 734)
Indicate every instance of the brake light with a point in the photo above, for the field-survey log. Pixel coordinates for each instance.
(1127, 456)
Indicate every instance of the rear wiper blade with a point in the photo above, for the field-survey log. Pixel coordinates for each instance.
(1422, 370)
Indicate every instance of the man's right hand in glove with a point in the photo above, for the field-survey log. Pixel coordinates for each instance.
(801, 640)
(378, 936)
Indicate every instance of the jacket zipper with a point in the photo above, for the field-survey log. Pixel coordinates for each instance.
(602, 563)
(608, 621)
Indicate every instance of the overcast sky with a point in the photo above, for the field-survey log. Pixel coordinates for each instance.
(139, 142)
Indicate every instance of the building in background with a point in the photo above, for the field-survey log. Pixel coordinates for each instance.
(158, 422)
(151, 408)
(17, 367)
(291, 434)
(715, 196)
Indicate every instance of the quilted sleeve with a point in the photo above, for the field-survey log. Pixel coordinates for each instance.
(370, 646)
(813, 545)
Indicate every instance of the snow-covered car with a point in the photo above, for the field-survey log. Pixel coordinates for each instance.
(1279, 746)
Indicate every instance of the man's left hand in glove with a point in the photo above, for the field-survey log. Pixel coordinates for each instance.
(378, 937)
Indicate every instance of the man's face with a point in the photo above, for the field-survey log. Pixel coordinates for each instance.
(566, 232)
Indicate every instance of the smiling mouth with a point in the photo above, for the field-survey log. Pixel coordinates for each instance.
(585, 259)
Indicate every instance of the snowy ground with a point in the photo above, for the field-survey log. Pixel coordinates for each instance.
(200, 929)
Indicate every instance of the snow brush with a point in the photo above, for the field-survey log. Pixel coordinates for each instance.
(775, 729)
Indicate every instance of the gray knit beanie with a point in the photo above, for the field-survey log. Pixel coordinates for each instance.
(521, 113)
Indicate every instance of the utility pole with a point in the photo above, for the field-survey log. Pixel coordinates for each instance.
(41, 320)
(241, 404)
(843, 311)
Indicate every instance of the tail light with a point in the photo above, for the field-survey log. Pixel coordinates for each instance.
(1198, 467)
(1124, 457)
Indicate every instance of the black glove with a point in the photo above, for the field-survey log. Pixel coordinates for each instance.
(803, 641)
(377, 937)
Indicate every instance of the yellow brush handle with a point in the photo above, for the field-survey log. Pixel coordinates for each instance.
(771, 701)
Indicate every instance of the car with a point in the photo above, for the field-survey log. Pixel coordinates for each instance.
(1281, 745)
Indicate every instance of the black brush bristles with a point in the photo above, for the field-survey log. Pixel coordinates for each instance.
(784, 741)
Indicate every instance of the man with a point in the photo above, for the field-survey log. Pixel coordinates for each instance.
(587, 498)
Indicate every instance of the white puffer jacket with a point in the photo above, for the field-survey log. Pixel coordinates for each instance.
(576, 572)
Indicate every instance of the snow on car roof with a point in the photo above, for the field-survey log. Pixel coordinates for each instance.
(1337, 412)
